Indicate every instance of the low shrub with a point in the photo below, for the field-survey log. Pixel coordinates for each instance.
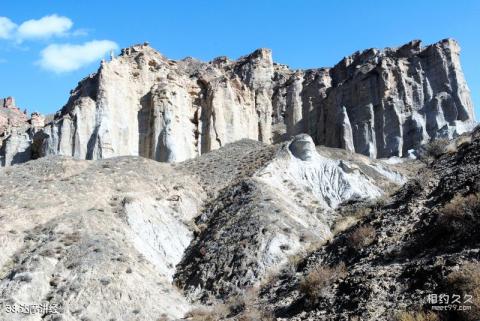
(214, 313)
(435, 148)
(459, 208)
(362, 237)
(319, 278)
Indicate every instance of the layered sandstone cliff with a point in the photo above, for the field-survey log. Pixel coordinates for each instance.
(379, 103)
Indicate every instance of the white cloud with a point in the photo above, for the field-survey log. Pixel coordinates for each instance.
(55, 57)
(45, 27)
(67, 57)
(38, 29)
(6, 28)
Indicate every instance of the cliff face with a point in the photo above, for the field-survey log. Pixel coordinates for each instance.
(144, 104)
(379, 103)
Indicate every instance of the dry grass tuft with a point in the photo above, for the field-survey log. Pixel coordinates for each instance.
(350, 215)
(254, 314)
(294, 260)
(379, 202)
(214, 313)
(245, 302)
(459, 206)
(467, 282)
(463, 141)
(436, 148)
(319, 278)
(451, 148)
(362, 237)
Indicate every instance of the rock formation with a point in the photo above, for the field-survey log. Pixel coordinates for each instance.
(16, 133)
(241, 232)
(144, 104)
(249, 213)
(109, 239)
(379, 103)
(424, 240)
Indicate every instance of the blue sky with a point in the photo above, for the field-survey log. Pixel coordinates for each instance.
(42, 60)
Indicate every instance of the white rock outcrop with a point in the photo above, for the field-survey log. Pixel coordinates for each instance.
(255, 226)
(330, 181)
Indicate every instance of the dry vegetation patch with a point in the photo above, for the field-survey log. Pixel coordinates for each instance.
(255, 314)
(363, 236)
(214, 313)
(350, 215)
(435, 148)
(466, 281)
(319, 278)
(243, 306)
(460, 206)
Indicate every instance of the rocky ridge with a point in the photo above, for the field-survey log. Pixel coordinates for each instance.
(379, 103)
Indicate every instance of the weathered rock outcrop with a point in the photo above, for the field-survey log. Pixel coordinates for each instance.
(10, 116)
(260, 219)
(396, 99)
(379, 103)
(144, 104)
(16, 133)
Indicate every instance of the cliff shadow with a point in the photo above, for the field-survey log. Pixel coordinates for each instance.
(145, 123)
